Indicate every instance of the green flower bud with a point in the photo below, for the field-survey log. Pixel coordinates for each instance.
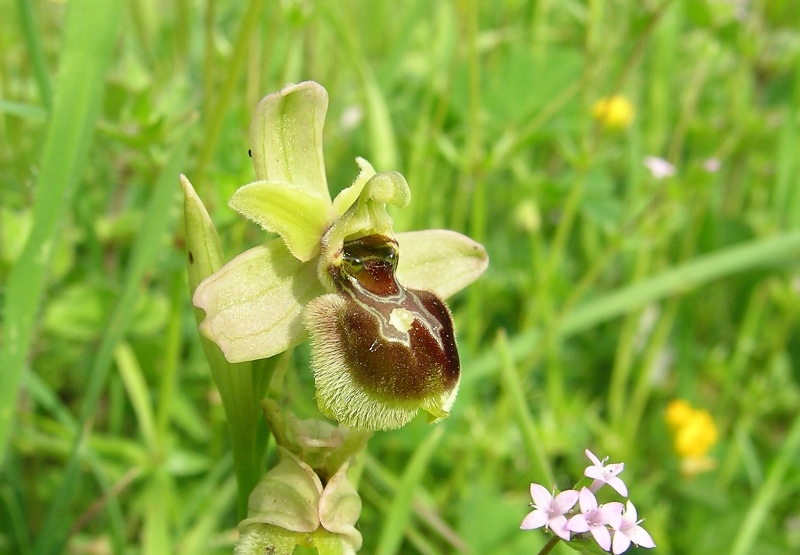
(380, 351)
(290, 507)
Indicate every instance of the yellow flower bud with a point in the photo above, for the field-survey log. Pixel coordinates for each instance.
(614, 112)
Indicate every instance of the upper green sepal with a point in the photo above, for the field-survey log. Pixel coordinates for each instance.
(286, 138)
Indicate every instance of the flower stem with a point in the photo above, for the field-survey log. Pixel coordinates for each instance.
(548, 547)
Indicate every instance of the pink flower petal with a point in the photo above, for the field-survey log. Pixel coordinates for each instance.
(534, 519)
(618, 485)
(630, 512)
(588, 501)
(601, 536)
(621, 543)
(640, 537)
(593, 458)
(564, 501)
(578, 524)
(541, 497)
(558, 524)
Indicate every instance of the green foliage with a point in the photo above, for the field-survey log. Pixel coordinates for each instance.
(609, 292)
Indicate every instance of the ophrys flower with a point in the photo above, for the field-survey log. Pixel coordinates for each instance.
(383, 343)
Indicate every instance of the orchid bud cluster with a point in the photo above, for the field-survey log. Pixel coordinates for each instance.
(613, 526)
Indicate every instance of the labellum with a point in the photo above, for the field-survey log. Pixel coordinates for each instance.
(380, 352)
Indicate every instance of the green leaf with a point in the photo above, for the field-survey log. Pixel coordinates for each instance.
(439, 260)
(299, 217)
(286, 138)
(254, 304)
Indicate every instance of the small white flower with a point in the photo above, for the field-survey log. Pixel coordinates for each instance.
(602, 473)
(626, 530)
(658, 167)
(548, 511)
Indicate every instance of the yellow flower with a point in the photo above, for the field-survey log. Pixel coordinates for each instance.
(614, 112)
(678, 412)
(695, 437)
(695, 434)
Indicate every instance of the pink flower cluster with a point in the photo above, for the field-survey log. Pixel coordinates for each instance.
(613, 526)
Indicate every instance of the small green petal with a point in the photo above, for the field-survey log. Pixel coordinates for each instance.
(340, 507)
(367, 213)
(286, 137)
(348, 197)
(296, 215)
(439, 260)
(287, 496)
(254, 303)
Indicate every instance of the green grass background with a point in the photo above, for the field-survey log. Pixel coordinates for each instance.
(609, 292)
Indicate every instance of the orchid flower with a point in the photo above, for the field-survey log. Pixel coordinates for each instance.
(383, 343)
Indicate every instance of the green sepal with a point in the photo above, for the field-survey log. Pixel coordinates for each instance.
(439, 260)
(299, 217)
(286, 138)
(254, 303)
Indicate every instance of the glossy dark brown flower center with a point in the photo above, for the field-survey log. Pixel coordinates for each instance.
(398, 342)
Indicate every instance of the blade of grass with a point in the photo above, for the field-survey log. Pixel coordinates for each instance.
(694, 273)
(768, 492)
(530, 436)
(25, 111)
(34, 42)
(90, 31)
(400, 509)
(215, 116)
(148, 243)
(138, 392)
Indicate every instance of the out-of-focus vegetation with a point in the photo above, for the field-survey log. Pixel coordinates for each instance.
(610, 292)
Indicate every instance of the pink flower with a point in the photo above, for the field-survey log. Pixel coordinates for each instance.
(605, 474)
(659, 167)
(548, 511)
(594, 518)
(626, 530)
(712, 165)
